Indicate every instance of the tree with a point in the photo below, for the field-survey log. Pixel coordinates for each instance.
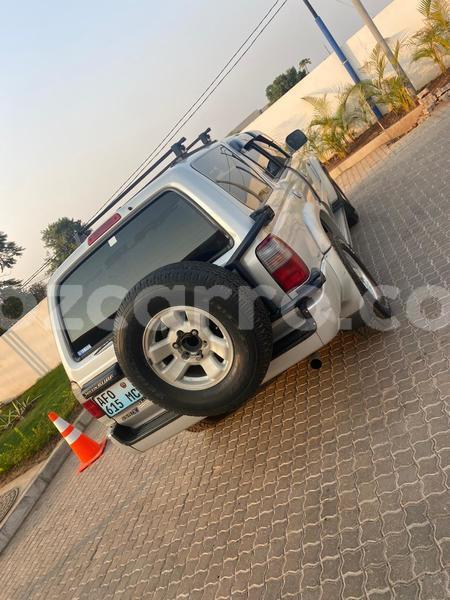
(433, 40)
(303, 65)
(284, 82)
(59, 240)
(38, 290)
(13, 308)
(9, 253)
(9, 305)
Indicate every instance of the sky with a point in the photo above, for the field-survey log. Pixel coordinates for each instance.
(91, 87)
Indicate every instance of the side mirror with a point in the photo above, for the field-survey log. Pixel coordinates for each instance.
(296, 139)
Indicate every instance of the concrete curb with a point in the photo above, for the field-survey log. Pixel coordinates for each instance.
(37, 486)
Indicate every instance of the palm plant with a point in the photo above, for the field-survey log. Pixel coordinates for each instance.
(15, 412)
(356, 95)
(389, 91)
(432, 42)
(315, 145)
(303, 65)
(332, 132)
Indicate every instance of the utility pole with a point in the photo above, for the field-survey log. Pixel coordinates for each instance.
(344, 60)
(384, 45)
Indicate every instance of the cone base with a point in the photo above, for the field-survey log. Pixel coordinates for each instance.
(85, 465)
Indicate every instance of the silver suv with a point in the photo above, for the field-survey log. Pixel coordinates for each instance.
(231, 265)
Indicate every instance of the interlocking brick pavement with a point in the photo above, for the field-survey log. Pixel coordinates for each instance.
(328, 484)
(354, 175)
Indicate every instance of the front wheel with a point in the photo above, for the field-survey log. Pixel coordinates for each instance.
(374, 300)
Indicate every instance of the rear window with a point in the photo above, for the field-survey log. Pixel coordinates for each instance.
(234, 175)
(168, 230)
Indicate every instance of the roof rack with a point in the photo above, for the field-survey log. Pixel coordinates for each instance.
(178, 149)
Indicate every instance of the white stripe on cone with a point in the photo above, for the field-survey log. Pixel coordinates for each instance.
(60, 424)
(73, 436)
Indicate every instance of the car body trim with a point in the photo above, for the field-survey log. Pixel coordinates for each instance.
(294, 337)
(102, 381)
(131, 436)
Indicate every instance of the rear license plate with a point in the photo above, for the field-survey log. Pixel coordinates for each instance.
(118, 397)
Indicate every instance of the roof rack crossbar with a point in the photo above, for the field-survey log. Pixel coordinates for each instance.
(203, 137)
(178, 149)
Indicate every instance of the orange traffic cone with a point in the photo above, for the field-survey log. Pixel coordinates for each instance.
(86, 449)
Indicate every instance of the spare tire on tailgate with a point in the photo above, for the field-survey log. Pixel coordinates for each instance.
(193, 338)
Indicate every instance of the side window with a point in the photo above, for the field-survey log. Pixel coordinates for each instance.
(234, 175)
(268, 158)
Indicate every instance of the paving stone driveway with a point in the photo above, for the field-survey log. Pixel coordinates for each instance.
(330, 484)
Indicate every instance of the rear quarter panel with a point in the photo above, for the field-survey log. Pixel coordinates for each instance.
(312, 167)
(290, 201)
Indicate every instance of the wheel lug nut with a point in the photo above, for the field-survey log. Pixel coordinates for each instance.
(194, 332)
(175, 345)
(180, 333)
(185, 355)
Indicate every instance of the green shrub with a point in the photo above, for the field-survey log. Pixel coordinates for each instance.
(34, 430)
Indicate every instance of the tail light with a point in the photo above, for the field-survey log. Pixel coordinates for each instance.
(92, 408)
(285, 266)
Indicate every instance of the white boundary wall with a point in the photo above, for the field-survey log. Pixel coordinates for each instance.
(27, 352)
(398, 20)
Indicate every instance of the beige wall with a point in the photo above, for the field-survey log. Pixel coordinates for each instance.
(27, 352)
(397, 21)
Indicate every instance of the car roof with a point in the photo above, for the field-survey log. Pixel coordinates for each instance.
(235, 142)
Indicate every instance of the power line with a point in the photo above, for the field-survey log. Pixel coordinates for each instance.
(173, 131)
(189, 114)
(33, 276)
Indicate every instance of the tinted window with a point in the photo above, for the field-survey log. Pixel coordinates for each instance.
(269, 159)
(168, 230)
(234, 175)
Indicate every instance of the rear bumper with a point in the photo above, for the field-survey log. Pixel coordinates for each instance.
(151, 433)
(325, 315)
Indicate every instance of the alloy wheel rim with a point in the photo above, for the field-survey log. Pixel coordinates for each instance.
(188, 348)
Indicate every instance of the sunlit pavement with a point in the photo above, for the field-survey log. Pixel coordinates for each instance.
(328, 484)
